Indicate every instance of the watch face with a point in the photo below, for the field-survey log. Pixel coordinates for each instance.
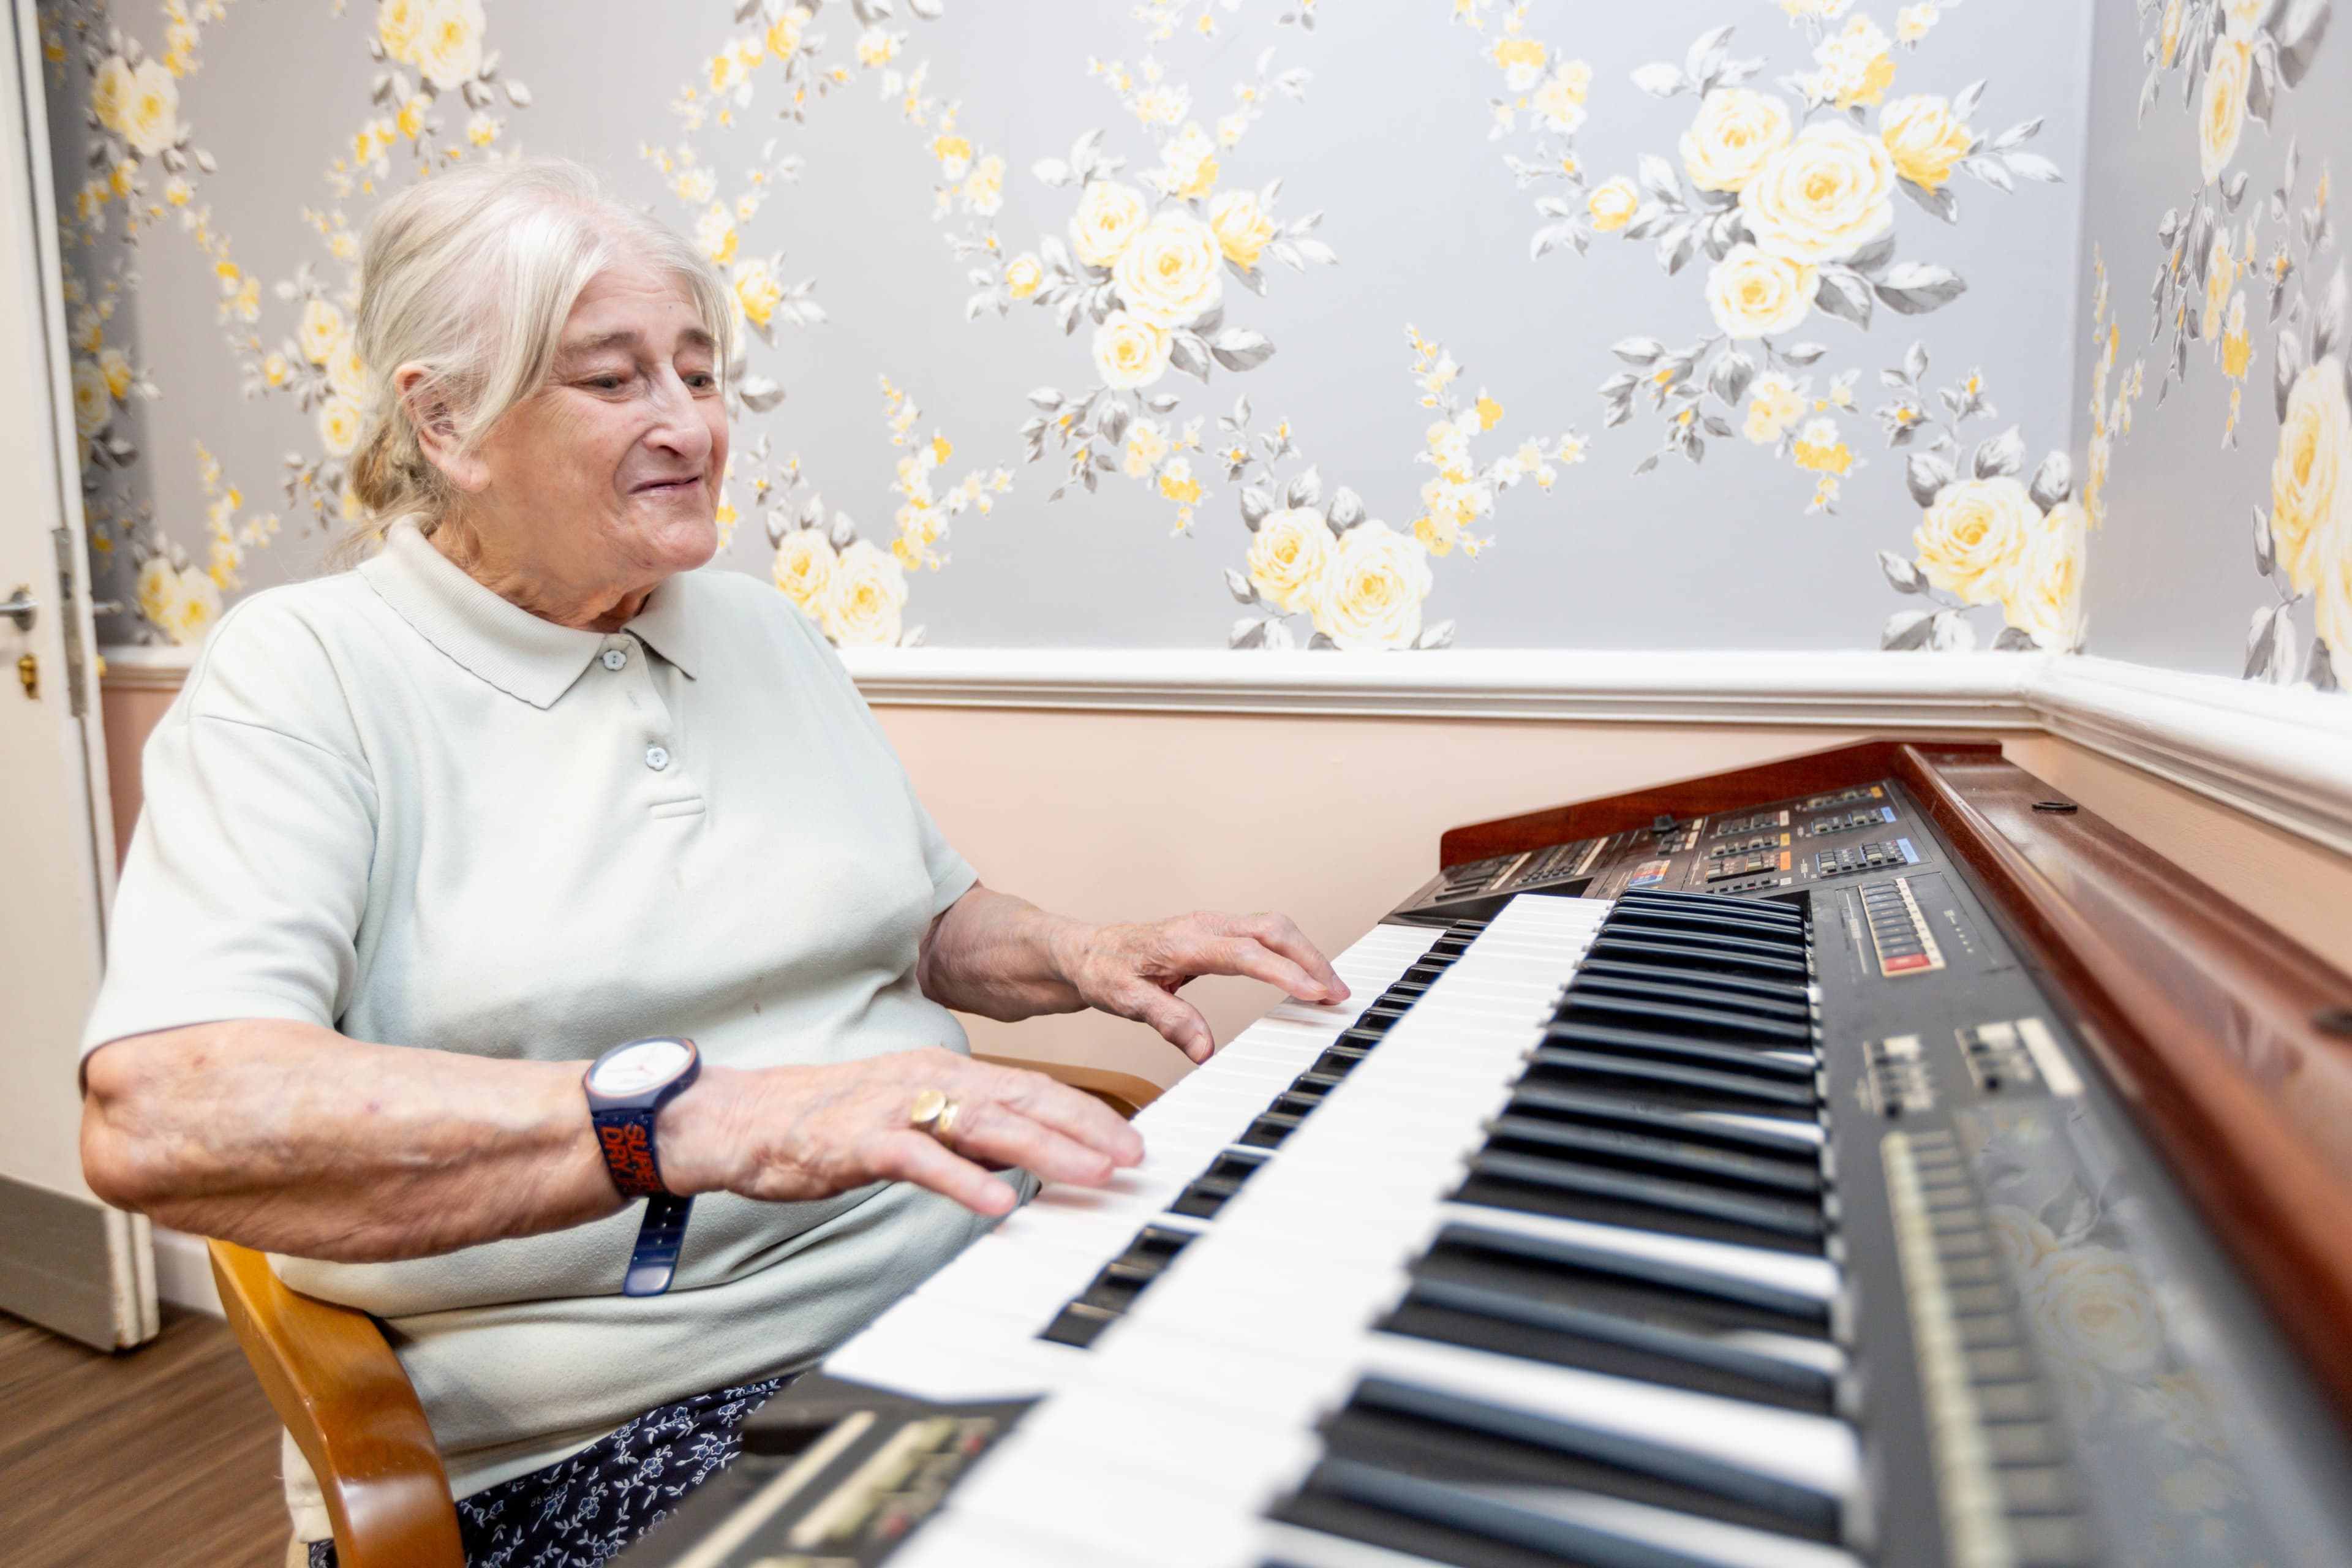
(634, 1069)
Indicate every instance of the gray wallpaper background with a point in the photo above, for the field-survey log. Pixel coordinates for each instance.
(1389, 140)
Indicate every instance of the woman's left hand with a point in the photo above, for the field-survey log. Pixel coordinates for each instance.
(1134, 971)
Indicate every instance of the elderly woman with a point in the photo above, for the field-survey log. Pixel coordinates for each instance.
(424, 838)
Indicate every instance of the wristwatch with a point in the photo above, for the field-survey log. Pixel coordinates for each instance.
(627, 1087)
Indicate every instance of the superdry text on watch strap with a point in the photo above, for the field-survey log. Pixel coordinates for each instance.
(627, 1087)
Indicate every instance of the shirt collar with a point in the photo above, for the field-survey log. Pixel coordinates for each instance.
(504, 643)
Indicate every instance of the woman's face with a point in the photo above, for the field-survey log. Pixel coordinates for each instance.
(606, 479)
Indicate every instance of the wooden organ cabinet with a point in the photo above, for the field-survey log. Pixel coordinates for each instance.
(1865, 1158)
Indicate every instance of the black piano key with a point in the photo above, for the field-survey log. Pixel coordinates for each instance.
(1697, 934)
(1792, 991)
(1529, 1135)
(1537, 1519)
(1789, 1508)
(1659, 1012)
(1359, 1038)
(1765, 910)
(1689, 956)
(1480, 1190)
(1590, 982)
(1506, 1323)
(1554, 1103)
(1730, 1089)
(1337, 1062)
(1079, 1326)
(1734, 1300)
(1753, 1060)
(1268, 1131)
(1709, 927)
(1208, 1191)
(1791, 1219)
(1399, 1443)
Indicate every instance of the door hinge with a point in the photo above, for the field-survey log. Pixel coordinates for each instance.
(68, 627)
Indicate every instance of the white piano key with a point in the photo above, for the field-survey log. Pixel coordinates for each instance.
(1313, 1549)
(1106, 1507)
(1702, 1541)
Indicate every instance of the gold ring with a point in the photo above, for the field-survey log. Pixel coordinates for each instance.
(935, 1113)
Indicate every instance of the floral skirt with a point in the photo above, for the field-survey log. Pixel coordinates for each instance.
(581, 1511)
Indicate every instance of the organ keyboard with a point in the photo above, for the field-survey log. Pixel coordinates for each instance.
(1616, 1220)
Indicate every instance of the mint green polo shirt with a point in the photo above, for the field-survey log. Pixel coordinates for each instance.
(391, 803)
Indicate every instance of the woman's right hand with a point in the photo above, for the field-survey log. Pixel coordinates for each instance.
(792, 1134)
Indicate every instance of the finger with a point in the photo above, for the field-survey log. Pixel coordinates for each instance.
(991, 1130)
(1072, 1113)
(1282, 934)
(1179, 1022)
(1247, 956)
(919, 1158)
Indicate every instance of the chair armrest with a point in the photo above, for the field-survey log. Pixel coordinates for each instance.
(342, 1393)
(1124, 1092)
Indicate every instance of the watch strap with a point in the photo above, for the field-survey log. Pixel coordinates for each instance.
(626, 1137)
(655, 1259)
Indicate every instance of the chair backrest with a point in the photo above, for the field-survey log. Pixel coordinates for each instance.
(347, 1401)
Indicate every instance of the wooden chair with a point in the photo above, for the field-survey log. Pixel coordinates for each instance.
(335, 1383)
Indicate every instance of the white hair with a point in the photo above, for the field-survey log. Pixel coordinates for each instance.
(471, 275)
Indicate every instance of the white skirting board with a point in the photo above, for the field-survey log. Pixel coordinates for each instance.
(184, 1272)
(2281, 755)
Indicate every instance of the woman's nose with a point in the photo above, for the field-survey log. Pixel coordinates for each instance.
(679, 424)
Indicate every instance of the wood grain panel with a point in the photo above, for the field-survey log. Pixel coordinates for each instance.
(1811, 773)
(165, 1456)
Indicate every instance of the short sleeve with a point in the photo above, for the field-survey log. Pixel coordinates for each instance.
(242, 893)
(951, 874)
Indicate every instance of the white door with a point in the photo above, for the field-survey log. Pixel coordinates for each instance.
(66, 1262)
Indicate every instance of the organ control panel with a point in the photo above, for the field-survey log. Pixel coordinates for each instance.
(1729, 1189)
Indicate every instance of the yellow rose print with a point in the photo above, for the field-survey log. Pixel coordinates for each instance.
(1754, 295)
(150, 109)
(116, 369)
(1143, 450)
(1368, 594)
(345, 374)
(1169, 276)
(715, 232)
(1969, 542)
(449, 54)
(1773, 408)
(1925, 138)
(1558, 101)
(1613, 203)
(1129, 351)
(2045, 599)
(1242, 229)
(1288, 557)
(1735, 132)
(1818, 450)
(2221, 113)
(339, 426)
(1109, 215)
(2311, 480)
(110, 93)
(92, 405)
(757, 291)
(320, 331)
(1022, 275)
(864, 597)
(1824, 197)
(803, 567)
(400, 28)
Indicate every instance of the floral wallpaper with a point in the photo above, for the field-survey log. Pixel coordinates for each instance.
(2217, 431)
(1244, 323)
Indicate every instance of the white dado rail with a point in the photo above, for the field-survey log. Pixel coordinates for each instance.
(2284, 756)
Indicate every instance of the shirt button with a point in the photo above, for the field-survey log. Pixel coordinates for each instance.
(614, 658)
(657, 757)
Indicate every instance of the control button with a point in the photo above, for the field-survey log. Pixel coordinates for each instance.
(614, 658)
(657, 757)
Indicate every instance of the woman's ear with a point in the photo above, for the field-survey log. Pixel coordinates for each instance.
(436, 429)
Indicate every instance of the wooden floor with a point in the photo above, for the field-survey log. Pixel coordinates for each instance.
(164, 1457)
